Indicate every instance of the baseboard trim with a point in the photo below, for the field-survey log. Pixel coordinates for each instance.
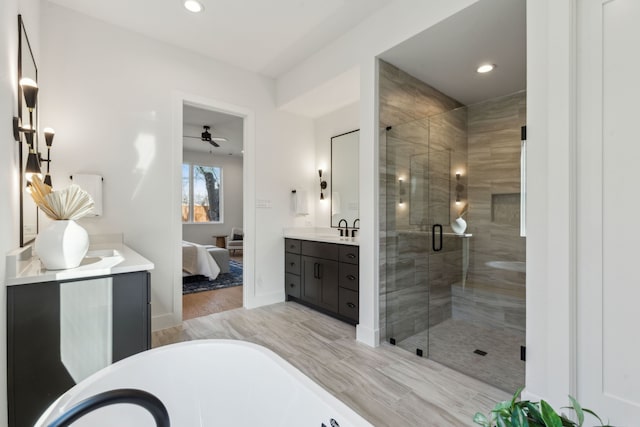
(164, 321)
(368, 336)
(266, 299)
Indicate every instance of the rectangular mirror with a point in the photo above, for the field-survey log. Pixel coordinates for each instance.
(26, 68)
(345, 184)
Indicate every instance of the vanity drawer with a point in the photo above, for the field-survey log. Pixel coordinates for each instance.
(292, 245)
(320, 250)
(349, 253)
(292, 285)
(348, 276)
(348, 303)
(292, 263)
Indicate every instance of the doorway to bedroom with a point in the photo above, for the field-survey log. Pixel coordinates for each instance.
(212, 211)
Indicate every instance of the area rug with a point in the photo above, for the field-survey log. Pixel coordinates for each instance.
(199, 283)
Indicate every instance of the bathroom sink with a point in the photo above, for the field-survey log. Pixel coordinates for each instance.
(102, 253)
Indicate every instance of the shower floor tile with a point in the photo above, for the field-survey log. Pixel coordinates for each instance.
(454, 341)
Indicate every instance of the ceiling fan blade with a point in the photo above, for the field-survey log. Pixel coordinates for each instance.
(220, 139)
(215, 144)
(187, 136)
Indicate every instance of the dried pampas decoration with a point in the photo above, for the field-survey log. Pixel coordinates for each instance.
(72, 203)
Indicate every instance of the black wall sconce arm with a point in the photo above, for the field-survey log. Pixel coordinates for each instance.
(323, 184)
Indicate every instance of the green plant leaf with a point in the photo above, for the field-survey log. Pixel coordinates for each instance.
(480, 419)
(500, 422)
(589, 411)
(549, 416)
(534, 412)
(578, 409)
(515, 397)
(518, 418)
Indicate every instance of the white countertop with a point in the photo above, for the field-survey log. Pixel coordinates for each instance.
(102, 260)
(327, 235)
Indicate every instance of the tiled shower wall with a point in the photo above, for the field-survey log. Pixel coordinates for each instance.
(415, 144)
(494, 297)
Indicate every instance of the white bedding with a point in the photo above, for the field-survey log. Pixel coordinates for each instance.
(196, 260)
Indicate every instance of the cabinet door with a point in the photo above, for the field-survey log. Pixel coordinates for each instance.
(36, 374)
(311, 283)
(320, 282)
(131, 314)
(328, 272)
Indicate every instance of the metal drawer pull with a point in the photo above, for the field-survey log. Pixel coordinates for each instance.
(351, 305)
(292, 285)
(351, 277)
(351, 256)
(292, 264)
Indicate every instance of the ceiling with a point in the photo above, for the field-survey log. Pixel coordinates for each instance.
(446, 55)
(222, 125)
(264, 36)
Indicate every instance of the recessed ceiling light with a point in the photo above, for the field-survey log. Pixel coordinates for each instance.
(193, 6)
(485, 68)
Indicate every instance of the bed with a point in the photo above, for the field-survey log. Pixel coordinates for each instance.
(196, 259)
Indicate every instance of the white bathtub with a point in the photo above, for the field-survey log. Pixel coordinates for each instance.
(210, 383)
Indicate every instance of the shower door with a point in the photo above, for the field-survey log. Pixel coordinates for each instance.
(457, 298)
(408, 235)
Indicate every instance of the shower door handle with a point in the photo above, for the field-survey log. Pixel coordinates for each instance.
(433, 237)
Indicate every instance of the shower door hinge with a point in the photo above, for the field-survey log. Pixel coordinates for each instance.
(523, 353)
(523, 133)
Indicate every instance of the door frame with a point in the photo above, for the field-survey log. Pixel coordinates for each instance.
(248, 193)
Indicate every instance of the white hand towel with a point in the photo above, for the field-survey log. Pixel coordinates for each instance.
(300, 203)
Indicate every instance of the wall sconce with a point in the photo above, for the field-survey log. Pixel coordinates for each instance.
(401, 192)
(459, 188)
(48, 139)
(323, 185)
(32, 167)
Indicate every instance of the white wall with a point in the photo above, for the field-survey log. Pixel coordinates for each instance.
(550, 368)
(335, 123)
(231, 197)
(109, 95)
(9, 205)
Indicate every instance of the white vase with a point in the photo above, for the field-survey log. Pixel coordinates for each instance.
(459, 225)
(62, 244)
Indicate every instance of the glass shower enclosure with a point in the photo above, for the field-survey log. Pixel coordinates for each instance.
(454, 282)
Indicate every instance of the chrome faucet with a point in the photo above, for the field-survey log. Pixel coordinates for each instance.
(344, 232)
(353, 230)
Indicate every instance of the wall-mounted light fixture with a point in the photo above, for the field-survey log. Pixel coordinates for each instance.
(401, 191)
(459, 188)
(48, 139)
(323, 184)
(30, 91)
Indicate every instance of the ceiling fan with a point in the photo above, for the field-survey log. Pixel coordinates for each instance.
(207, 137)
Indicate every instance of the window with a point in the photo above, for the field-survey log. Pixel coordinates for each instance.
(201, 193)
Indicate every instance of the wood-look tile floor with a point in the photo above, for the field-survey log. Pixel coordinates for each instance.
(387, 385)
(209, 302)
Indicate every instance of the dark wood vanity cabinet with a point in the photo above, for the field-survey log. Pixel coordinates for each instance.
(323, 276)
(36, 374)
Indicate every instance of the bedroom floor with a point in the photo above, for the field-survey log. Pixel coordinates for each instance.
(386, 385)
(205, 303)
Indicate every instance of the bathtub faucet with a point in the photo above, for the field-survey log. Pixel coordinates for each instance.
(124, 395)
